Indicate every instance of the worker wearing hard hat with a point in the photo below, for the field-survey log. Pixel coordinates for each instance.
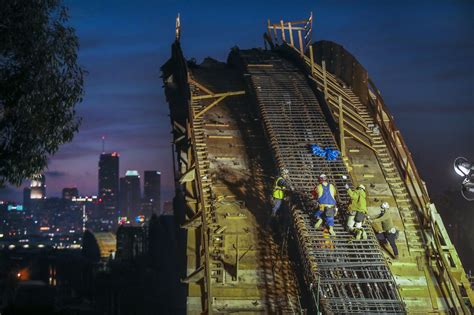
(279, 190)
(384, 228)
(357, 211)
(325, 193)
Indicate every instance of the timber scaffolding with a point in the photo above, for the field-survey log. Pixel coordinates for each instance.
(300, 101)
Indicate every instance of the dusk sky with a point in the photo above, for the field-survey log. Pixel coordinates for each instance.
(420, 55)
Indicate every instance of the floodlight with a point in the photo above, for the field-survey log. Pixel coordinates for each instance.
(465, 169)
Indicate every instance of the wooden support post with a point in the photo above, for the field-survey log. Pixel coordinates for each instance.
(268, 29)
(300, 38)
(311, 59)
(200, 86)
(237, 258)
(341, 127)
(325, 82)
(275, 34)
(283, 39)
(291, 34)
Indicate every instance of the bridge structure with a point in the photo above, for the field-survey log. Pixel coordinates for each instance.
(235, 124)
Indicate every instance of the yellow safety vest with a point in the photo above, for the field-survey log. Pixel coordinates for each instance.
(278, 190)
(332, 192)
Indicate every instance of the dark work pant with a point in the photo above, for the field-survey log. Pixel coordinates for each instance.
(390, 238)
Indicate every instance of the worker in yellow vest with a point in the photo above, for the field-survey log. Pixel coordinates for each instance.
(385, 230)
(279, 190)
(357, 211)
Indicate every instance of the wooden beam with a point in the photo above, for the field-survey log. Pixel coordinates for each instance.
(190, 175)
(268, 29)
(341, 128)
(282, 31)
(208, 107)
(325, 81)
(203, 97)
(200, 86)
(311, 58)
(291, 35)
(195, 276)
(258, 65)
(360, 140)
(300, 39)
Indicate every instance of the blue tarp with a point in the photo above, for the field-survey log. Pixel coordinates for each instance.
(327, 153)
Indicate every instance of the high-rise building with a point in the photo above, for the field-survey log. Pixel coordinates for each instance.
(130, 195)
(109, 185)
(37, 195)
(27, 198)
(38, 187)
(152, 193)
(70, 192)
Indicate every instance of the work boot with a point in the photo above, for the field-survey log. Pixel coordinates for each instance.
(331, 231)
(358, 234)
(364, 235)
(318, 223)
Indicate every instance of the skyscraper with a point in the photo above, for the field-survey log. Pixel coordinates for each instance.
(152, 193)
(37, 195)
(109, 185)
(130, 195)
(38, 187)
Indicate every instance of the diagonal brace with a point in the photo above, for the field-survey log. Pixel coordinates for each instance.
(208, 107)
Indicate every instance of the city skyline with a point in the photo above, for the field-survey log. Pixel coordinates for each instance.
(124, 100)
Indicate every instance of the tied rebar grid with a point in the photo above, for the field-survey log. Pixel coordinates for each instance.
(350, 276)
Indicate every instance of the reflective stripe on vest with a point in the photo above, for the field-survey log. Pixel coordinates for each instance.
(278, 190)
(326, 198)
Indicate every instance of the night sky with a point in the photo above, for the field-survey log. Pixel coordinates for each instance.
(421, 57)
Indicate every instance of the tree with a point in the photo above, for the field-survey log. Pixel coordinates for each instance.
(40, 84)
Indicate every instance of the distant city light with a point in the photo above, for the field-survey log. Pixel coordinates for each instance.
(140, 218)
(132, 173)
(122, 220)
(15, 207)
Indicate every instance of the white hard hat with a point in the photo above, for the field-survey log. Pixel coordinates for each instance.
(385, 205)
(361, 186)
(323, 177)
(284, 171)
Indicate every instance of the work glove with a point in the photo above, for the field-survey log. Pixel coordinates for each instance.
(346, 186)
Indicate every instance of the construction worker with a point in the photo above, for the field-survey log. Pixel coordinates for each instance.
(357, 211)
(325, 193)
(384, 228)
(279, 190)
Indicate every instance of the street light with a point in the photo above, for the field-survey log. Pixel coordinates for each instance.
(465, 169)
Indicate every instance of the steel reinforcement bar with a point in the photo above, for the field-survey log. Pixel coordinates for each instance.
(344, 275)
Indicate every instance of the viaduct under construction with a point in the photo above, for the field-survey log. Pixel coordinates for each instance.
(235, 124)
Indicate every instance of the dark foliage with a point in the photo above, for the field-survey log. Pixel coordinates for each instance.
(90, 248)
(40, 84)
